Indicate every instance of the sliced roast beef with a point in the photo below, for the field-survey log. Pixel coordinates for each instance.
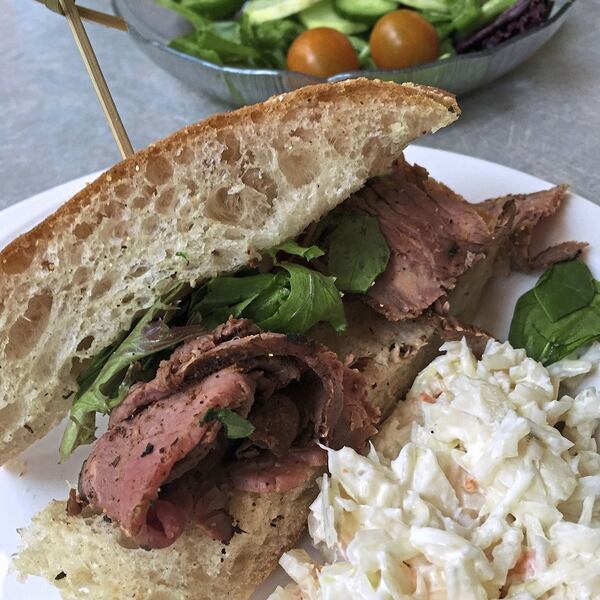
(530, 210)
(170, 374)
(269, 473)
(294, 391)
(355, 425)
(276, 424)
(433, 234)
(131, 461)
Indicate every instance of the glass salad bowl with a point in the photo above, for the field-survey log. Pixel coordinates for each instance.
(153, 27)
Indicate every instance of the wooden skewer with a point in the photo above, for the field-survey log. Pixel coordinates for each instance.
(89, 14)
(72, 13)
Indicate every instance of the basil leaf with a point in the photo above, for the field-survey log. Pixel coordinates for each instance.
(236, 427)
(101, 386)
(313, 298)
(294, 249)
(357, 252)
(564, 288)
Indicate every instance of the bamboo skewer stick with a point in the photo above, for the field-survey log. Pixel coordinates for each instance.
(72, 13)
(89, 14)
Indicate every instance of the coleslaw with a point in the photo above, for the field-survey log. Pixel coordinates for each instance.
(486, 486)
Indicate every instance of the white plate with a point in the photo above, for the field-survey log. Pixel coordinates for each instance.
(28, 484)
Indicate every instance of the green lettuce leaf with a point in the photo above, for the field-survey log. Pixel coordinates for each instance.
(234, 42)
(357, 252)
(104, 383)
(196, 19)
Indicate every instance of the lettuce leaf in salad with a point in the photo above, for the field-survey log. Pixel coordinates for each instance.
(235, 42)
(105, 382)
(501, 20)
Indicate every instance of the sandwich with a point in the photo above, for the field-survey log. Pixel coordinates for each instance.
(232, 299)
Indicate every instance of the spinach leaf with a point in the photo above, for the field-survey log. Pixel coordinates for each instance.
(313, 298)
(357, 252)
(564, 288)
(550, 340)
(236, 427)
(104, 384)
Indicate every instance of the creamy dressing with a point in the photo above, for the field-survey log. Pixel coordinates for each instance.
(487, 498)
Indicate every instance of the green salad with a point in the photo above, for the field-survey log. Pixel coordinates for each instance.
(324, 37)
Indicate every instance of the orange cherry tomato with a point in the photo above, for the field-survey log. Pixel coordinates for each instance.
(403, 38)
(321, 52)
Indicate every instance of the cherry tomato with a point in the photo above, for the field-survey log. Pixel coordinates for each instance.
(321, 52)
(403, 38)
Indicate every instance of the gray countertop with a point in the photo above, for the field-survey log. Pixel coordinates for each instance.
(541, 118)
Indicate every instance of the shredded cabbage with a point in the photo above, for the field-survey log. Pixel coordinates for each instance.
(493, 493)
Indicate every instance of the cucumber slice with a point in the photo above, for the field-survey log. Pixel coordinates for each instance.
(213, 9)
(322, 14)
(364, 11)
(260, 11)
